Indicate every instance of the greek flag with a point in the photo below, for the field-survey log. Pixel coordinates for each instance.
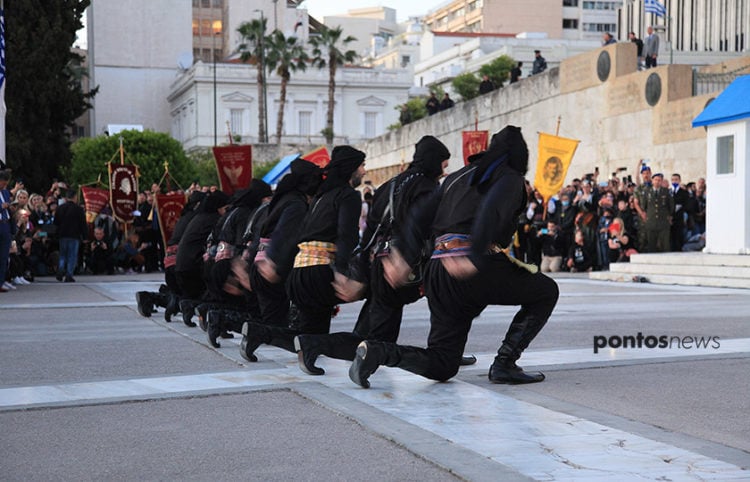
(653, 6)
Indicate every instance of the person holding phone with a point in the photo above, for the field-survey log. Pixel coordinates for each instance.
(552, 248)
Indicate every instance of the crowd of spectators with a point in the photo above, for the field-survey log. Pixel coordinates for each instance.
(38, 236)
(586, 226)
(593, 222)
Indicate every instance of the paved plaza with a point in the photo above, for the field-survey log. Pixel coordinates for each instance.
(90, 390)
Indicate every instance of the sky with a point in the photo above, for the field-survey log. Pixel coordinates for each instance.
(321, 8)
(404, 8)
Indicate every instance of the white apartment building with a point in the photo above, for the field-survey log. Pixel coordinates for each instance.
(366, 101)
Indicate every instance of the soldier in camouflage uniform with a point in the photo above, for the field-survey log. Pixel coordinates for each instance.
(641, 191)
(659, 207)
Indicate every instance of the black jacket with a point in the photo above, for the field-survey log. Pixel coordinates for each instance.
(70, 219)
(334, 218)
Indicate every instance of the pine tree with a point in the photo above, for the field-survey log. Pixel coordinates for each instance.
(44, 95)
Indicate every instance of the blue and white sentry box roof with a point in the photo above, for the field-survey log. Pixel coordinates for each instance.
(731, 105)
(278, 171)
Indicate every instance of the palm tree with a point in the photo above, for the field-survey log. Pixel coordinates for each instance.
(253, 49)
(326, 52)
(285, 55)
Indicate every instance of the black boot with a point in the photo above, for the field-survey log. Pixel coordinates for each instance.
(468, 360)
(505, 370)
(341, 346)
(214, 328)
(252, 338)
(173, 307)
(187, 309)
(256, 334)
(145, 303)
(233, 320)
(370, 355)
(160, 299)
(308, 349)
(202, 311)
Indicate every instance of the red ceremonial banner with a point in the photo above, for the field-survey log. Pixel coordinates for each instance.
(235, 167)
(168, 210)
(319, 157)
(474, 142)
(95, 199)
(123, 191)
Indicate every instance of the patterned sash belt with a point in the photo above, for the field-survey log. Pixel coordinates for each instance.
(170, 257)
(449, 245)
(224, 251)
(314, 253)
(262, 247)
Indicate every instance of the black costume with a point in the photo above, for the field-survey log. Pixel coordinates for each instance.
(189, 264)
(476, 217)
(247, 208)
(275, 238)
(327, 238)
(168, 296)
(380, 317)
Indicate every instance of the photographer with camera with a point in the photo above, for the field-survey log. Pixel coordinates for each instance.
(101, 256)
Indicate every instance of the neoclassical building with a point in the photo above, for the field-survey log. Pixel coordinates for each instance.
(366, 104)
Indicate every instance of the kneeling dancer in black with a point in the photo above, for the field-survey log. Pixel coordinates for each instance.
(475, 219)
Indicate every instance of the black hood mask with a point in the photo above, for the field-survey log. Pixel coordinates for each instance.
(252, 197)
(345, 160)
(213, 202)
(304, 176)
(429, 155)
(507, 148)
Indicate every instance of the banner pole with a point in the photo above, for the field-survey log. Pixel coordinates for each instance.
(229, 134)
(122, 152)
(557, 129)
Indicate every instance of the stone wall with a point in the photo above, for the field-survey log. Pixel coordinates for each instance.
(619, 114)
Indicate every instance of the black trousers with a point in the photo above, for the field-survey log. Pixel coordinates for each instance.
(379, 319)
(311, 291)
(455, 303)
(273, 301)
(190, 283)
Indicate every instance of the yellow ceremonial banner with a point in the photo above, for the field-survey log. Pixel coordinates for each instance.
(555, 155)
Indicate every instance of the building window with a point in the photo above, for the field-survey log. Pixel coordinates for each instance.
(725, 155)
(305, 123)
(405, 60)
(235, 121)
(371, 124)
(599, 27)
(570, 3)
(570, 23)
(601, 5)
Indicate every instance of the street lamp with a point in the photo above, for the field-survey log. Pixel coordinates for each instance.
(216, 30)
(263, 78)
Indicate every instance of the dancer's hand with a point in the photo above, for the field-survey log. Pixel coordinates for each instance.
(395, 269)
(267, 270)
(459, 267)
(239, 269)
(347, 289)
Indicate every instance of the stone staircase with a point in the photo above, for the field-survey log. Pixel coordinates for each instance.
(692, 269)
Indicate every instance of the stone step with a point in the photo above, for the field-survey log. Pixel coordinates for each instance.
(712, 281)
(681, 269)
(701, 259)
